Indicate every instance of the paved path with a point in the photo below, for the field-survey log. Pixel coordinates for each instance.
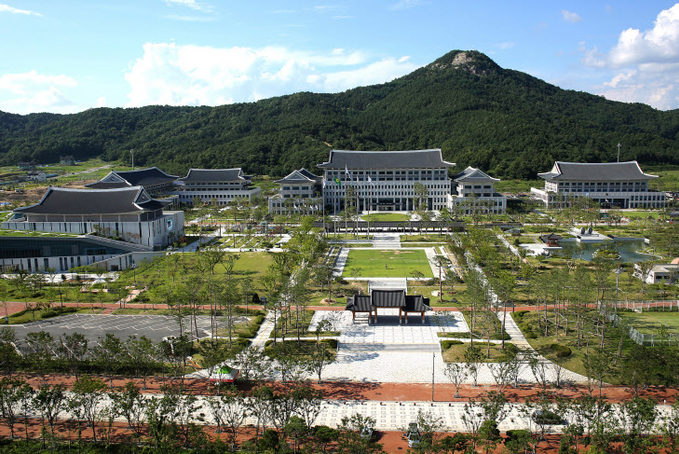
(386, 240)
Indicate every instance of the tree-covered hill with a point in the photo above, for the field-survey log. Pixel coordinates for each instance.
(506, 122)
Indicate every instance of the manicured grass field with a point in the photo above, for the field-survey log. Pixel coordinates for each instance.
(386, 217)
(386, 263)
(651, 322)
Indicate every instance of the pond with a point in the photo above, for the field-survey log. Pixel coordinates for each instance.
(629, 250)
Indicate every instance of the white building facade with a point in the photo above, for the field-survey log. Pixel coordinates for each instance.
(299, 193)
(611, 184)
(219, 186)
(386, 180)
(129, 214)
(475, 193)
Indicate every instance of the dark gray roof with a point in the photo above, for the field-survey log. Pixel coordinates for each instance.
(473, 175)
(388, 298)
(93, 201)
(600, 171)
(215, 175)
(414, 159)
(300, 176)
(359, 303)
(141, 177)
(416, 303)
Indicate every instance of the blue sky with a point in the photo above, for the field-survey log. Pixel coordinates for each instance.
(67, 56)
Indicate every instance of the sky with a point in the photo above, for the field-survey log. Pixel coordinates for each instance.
(67, 56)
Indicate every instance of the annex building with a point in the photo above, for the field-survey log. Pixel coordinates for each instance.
(475, 193)
(129, 214)
(611, 184)
(152, 179)
(386, 180)
(219, 186)
(300, 193)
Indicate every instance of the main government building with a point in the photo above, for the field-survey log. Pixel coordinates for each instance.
(386, 180)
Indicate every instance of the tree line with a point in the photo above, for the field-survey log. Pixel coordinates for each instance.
(502, 121)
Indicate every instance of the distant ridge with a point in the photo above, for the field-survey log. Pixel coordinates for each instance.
(507, 123)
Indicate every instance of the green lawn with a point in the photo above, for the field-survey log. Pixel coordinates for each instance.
(386, 217)
(386, 263)
(651, 322)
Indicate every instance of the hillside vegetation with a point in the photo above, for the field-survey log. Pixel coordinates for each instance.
(506, 122)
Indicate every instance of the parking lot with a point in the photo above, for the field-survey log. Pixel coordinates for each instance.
(93, 326)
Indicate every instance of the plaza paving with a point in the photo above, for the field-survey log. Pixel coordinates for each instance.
(389, 352)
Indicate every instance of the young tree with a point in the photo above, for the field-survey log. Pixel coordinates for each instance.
(85, 402)
(13, 392)
(109, 355)
(350, 441)
(233, 410)
(73, 348)
(50, 400)
(638, 417)
(129, 403)
(457, 374)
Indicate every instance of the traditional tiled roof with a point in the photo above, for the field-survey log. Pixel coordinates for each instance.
(359, 303)
(141, 177)
(414, 159)
(300, 176)
(416, 303)
(600, 171)
(388, 298)
(214, 175)
(93, 201)
(473, 175)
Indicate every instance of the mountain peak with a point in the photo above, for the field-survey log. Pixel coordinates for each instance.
(470, 61)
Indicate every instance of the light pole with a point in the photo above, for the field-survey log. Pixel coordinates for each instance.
(433, 368)
(132, 153)
(617, 272)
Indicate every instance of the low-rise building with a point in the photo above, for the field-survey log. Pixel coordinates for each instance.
(218, 186)
(475, 193)
(62, 254)
(129, 214)
(152, 179)
(300, 192)
(659, 273)
(611, 184)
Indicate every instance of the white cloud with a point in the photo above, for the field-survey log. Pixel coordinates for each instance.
(661, 43)
(654, 84)
(506, 45)
(644, 65)
(569, 16)
(9, 9)
(32, 92)
(172, 74)
(405, 4)
(192, 4)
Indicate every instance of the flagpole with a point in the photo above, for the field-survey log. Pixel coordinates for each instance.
(323, 207)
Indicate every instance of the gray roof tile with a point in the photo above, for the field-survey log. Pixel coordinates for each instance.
(600, 171)
(93, 201)
(414, 159)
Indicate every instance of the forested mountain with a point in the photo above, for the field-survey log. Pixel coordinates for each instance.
(503, 121)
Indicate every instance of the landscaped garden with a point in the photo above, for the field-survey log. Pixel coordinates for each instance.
(386, 263)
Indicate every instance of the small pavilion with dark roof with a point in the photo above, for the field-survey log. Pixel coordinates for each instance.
(388, 299)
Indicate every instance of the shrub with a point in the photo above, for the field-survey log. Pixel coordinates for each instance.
(56, 311)
(561, 351)
(446, 344)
